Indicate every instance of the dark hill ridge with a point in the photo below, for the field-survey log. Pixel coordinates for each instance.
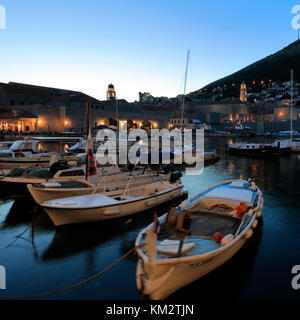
(274, 67)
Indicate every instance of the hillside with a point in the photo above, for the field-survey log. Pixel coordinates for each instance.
(274, 67)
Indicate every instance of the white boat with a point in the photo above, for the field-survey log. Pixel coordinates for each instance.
(110, 205)
(23, 153)
(4, 145)
(45, 191)
(30, 153)
(197, 237)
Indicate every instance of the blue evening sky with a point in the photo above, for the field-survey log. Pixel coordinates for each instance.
(138, 45)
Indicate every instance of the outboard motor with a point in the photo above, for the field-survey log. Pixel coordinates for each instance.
(166, 168)
(175, 176)
(60, 165)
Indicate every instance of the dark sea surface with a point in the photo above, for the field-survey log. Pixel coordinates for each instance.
(46, 259)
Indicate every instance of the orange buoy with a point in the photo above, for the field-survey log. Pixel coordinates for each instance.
(218, 236)
(241, 209)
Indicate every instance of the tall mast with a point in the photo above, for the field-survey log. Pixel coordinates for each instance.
(88, 110)
(292, 80)
(185, 78)
(117, 113)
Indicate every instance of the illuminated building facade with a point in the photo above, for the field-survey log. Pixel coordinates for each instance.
(243, 93)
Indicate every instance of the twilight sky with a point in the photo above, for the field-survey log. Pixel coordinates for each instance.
(138, 45)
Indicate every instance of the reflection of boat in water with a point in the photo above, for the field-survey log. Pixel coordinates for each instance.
(12, 212)
(198, 237)
(66, 241)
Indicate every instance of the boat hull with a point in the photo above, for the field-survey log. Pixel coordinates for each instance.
(13, 163)
(262, 152)
(64, 216)
(192, 269)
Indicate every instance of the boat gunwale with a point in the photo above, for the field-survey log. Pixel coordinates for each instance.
(141, 198)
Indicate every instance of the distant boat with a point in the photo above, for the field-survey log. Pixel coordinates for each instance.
(259, 149)
(287, 134)
(29, 153)
(197, 237)
(110, 205)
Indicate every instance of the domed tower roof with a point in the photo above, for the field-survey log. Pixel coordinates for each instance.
(111, 86)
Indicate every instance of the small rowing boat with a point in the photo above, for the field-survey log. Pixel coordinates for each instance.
(197, 237)
(49, 190)
(110, 205)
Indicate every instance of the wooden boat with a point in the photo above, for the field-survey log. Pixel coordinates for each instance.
(110, 205)
(55, 190)
(108, 177)
(197, 237)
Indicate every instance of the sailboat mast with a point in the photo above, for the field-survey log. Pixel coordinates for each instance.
(292, 82)
(185, 78)
(117, 113)
(88, 108)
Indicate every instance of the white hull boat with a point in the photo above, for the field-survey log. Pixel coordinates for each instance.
(110, 205)
(208, 230)
(55, 190)
(27, 154)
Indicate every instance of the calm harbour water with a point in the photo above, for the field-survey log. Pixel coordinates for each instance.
(59, 258)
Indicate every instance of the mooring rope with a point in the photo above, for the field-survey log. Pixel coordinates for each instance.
(76, 284)
(19, 236)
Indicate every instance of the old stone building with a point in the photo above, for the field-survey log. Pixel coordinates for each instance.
(59, 110)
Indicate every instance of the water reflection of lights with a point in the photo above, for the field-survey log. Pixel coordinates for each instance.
(230, 167)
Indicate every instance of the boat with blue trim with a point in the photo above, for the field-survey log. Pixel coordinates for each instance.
(197, 237)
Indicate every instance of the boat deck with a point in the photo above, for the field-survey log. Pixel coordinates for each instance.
(200, 238)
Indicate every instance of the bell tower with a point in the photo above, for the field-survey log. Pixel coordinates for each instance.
(243, 92)
(111, 93)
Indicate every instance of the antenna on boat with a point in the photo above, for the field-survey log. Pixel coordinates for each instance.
(184, 91)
